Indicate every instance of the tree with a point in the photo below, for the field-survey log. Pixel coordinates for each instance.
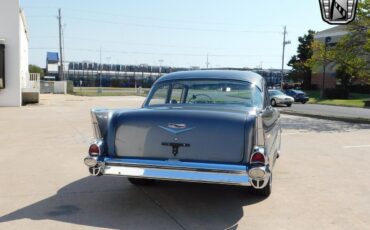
(36, 69)
(352, 52)
(343, 76)
(300, 71)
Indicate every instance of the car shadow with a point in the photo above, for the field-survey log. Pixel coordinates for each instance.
(306, 124)
(112, 202)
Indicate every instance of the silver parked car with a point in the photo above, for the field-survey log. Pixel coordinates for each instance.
(195, 126)
(279, 98)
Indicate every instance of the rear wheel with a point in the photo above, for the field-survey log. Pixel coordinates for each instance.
(141, 181)
(273, 102)
(303, 102)
(289, 105)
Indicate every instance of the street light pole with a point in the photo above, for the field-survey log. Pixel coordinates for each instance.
(327, 40)
(100, 86)
(283, 58)
(160, 67)
(207, 61)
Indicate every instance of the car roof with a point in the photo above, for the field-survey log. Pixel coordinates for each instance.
(296, 90)
(248, 76)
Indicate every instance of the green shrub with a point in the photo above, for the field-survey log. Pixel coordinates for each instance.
(336, 93)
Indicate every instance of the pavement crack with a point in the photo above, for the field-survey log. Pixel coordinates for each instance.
(162, 208)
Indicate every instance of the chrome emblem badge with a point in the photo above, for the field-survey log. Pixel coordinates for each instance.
(338, 12)
(176, 128)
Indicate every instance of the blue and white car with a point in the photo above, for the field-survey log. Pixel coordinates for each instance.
(195, 126)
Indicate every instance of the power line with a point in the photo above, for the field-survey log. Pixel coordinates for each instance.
(167, 27)
(147, 44)
(158, 53)
(163, 27)
(105, 13)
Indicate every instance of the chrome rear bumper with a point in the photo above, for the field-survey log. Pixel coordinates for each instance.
(173, 170)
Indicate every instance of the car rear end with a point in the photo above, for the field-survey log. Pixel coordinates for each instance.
(301, 97)
(127, 144)
(202, 126)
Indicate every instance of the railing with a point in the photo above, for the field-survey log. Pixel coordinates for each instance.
(34, 81)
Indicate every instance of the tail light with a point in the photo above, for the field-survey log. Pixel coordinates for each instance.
(94, 150)
(258, 158)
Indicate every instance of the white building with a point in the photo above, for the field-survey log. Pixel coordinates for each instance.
(14, 37)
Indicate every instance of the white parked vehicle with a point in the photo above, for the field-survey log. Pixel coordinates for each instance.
(279, 98)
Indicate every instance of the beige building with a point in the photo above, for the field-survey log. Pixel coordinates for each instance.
(335, 33)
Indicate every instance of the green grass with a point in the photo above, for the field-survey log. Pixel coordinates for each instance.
(355, 100)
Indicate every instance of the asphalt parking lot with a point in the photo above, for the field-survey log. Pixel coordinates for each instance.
(321, 180)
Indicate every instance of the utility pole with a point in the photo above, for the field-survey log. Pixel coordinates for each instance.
(327, 41)
(283, 58)
(61, 76)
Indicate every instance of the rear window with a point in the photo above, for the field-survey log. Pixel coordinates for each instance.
(208, 92)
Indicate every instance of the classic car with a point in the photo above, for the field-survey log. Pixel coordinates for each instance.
(298, 95)
(279, 98)
(194, 126)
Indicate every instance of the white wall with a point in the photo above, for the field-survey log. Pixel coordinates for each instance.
(23, 36)
(60, 87)
(9, 30)
(53, 67)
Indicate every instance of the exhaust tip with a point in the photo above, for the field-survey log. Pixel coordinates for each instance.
(96, 171)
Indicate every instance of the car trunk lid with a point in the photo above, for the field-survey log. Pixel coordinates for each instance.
(182, 134)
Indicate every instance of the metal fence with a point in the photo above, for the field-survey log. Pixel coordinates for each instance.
(46, 86)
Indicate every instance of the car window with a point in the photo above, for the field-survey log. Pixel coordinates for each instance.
(160, 95)
(176, 93)
(212, 92)
(275, 93)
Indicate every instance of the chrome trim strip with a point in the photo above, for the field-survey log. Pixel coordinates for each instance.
(260, 133)
(178, 165)
(176, 131)
(94, 121)
(178, 175)
(177, 171)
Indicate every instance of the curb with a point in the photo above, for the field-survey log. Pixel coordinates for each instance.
(347, 106)
(358, 120)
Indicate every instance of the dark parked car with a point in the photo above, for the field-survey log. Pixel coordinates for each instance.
(298, 95)
(195, 126)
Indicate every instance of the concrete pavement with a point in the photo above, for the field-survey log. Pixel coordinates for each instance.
(321, 180)
(329, 111)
